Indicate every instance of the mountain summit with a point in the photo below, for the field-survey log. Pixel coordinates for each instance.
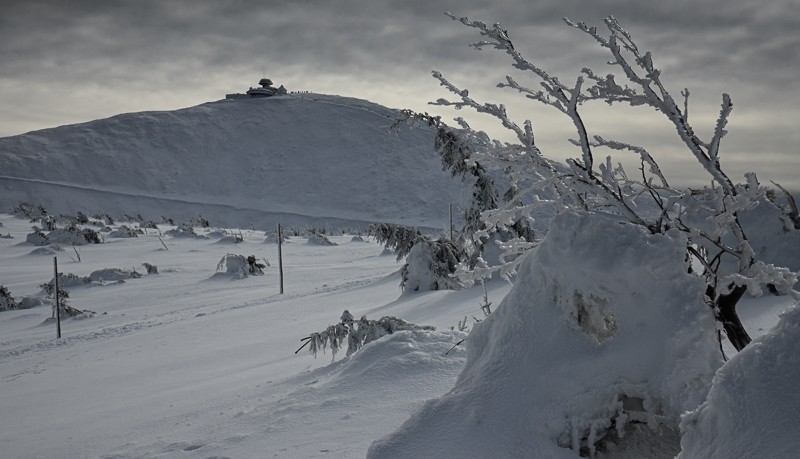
(297, 158)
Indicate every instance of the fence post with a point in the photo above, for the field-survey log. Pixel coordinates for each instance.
(451, 220)
(55, 294)
(280, 257)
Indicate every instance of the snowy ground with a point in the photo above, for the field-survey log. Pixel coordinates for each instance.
(181, 365)
(178, 365)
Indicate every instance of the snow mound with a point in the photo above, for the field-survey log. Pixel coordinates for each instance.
(602, 328)
(404, 359)
(751, 410)
(320, 240)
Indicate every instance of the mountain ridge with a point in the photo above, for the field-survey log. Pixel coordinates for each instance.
(317, 157)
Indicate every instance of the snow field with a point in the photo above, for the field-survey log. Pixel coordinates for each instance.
(178, 364)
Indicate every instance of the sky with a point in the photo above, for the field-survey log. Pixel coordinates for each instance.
(73, 61)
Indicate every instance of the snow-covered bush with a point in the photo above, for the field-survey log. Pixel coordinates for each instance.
(597, 332)
(239, 266)
(184, 230)
(710, 218)
(63, 294)
(399, 239)
(37, 237)
(73, 235)
(320, 239)
(29, 211)
(113, 275)
(231, 239)
(67, 280)
(6, 300)
(430, 264)
(125, 231)
(610, 322)
(151, 269)
(356, 333)
(272, 238)
(105, 218)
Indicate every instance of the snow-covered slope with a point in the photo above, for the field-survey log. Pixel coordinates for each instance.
(297, 159)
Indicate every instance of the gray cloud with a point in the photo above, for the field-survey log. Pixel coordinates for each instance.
(73, 61)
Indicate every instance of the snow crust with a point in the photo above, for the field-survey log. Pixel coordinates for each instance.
(600, 312)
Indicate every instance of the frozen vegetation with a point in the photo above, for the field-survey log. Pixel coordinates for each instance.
(577, 310)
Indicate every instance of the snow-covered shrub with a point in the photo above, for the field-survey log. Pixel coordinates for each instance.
(356, 333)
(200, 221)
(73, 235)
(37, 237)
(357, 238)
(218, 233)
(113, 275)
(151, 269)
(712, 224)
(28, 302)
(63, 294)
(320, 239)
(6, 300)
(272, 238)
(231, 239)
(48, 222)
(184, 230)
(239, 266)
(105, 218)
(596, 332)
(125, 231)
(398, 238)
(67, 280)
(430, 266)
(29, 211)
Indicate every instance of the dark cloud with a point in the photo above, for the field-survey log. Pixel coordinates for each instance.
(71, 61)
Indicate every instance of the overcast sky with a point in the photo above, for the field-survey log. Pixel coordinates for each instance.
(71, 61)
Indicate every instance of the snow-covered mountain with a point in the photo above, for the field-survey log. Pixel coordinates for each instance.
(297, 159)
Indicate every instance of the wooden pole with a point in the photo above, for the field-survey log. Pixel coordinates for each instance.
(280, 257)
(55, 294)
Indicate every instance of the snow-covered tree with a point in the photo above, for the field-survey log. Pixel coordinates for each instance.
(6, 300)
(709, 217)
(430, 264)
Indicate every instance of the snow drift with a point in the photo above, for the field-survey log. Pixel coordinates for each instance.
(751, 409)
(602, 328)
(298, 159)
